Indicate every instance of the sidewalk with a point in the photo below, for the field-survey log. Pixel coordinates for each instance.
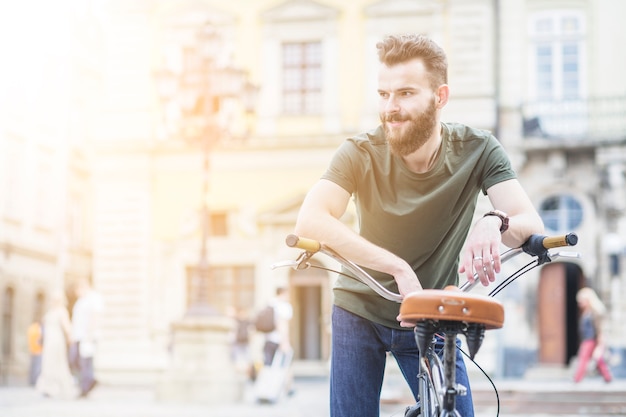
(309, 400)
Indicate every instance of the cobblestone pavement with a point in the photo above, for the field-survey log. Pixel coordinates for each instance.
(309, 400)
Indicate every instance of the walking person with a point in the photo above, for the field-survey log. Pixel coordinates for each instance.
(276, 377)
(278, 339)
(34, 335)
(86, 316)
(56, 378)
(592, 345)
(415, 182)
(240, 349)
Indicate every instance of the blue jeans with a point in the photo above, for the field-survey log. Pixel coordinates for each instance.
(34, 369)
(359, 350)
(82, 367)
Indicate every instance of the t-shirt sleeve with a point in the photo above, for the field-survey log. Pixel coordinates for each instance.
(344, 168)
(497, 167)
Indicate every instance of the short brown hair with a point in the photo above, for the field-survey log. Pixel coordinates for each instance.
(395, 49)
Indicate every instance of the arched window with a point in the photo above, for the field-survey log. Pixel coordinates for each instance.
(561, 213)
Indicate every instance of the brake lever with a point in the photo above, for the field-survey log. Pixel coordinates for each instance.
(565, 254)
(284, 264)
(300, 263)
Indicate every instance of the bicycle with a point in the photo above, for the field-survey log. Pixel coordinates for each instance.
(443, 312)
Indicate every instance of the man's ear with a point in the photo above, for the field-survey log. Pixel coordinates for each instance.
(442, 94)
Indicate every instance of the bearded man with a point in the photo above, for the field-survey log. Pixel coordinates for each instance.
(415, 182)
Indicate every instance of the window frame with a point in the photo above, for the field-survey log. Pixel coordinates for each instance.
(556, 41)
(228, 286)
(302, 77)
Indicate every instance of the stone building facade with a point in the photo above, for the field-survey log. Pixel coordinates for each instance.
(541, 75)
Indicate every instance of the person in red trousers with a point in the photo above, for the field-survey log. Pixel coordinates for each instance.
(592, 345)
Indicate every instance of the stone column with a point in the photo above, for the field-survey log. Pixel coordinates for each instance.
(201, 369)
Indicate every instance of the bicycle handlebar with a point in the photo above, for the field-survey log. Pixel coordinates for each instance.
(309, 245)
(312, 246)
(537, 245)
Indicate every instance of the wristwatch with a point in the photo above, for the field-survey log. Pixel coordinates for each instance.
(503, 216)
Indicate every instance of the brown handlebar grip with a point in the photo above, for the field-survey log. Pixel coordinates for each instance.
(310, 245)
(570, 239)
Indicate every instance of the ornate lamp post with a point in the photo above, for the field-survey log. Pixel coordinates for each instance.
(198, 96)
(196, 100)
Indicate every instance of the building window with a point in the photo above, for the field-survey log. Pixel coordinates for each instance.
(39, 308)
(45, 194)
(219, 224)
(302, 78)
(76, 221)
(561, 213)
(557, 55)
(227, 287)
(557, 91)
(14, 179)
(7, 322)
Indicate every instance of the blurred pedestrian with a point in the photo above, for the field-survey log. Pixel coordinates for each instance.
(278, 339)
(593, 344)
(277, 342)
(241, 343)
(56, 378)
(86, 316)
(35, 345)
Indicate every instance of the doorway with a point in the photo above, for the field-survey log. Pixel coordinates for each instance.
(309, 303)
(558, 312)
(311, 315)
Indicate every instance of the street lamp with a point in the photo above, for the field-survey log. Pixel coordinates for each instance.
(196, 100)
(198, 93)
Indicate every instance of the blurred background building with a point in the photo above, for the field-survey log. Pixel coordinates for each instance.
(102, 174)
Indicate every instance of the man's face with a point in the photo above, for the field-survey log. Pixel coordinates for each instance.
(407, 106)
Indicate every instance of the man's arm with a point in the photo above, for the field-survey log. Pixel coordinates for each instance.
(318, 219)
(483, 242)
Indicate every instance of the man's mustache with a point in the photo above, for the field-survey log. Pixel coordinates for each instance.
(395, 118)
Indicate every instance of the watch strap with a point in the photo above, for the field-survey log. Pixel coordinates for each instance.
(503, 217)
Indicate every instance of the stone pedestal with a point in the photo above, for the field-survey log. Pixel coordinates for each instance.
(201, 369)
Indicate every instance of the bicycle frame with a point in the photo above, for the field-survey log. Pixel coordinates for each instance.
(436, 379)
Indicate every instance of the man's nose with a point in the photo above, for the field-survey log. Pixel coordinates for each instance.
(392, 106)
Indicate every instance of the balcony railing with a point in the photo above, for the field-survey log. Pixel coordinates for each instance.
(589, 120)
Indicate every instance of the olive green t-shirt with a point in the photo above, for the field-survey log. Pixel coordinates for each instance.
(423, 218)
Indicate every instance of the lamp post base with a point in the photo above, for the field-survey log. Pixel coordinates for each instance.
(201, 369)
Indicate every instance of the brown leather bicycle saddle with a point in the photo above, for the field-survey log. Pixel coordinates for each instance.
(451, 304)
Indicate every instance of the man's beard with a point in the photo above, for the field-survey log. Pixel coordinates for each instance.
(414, 135)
